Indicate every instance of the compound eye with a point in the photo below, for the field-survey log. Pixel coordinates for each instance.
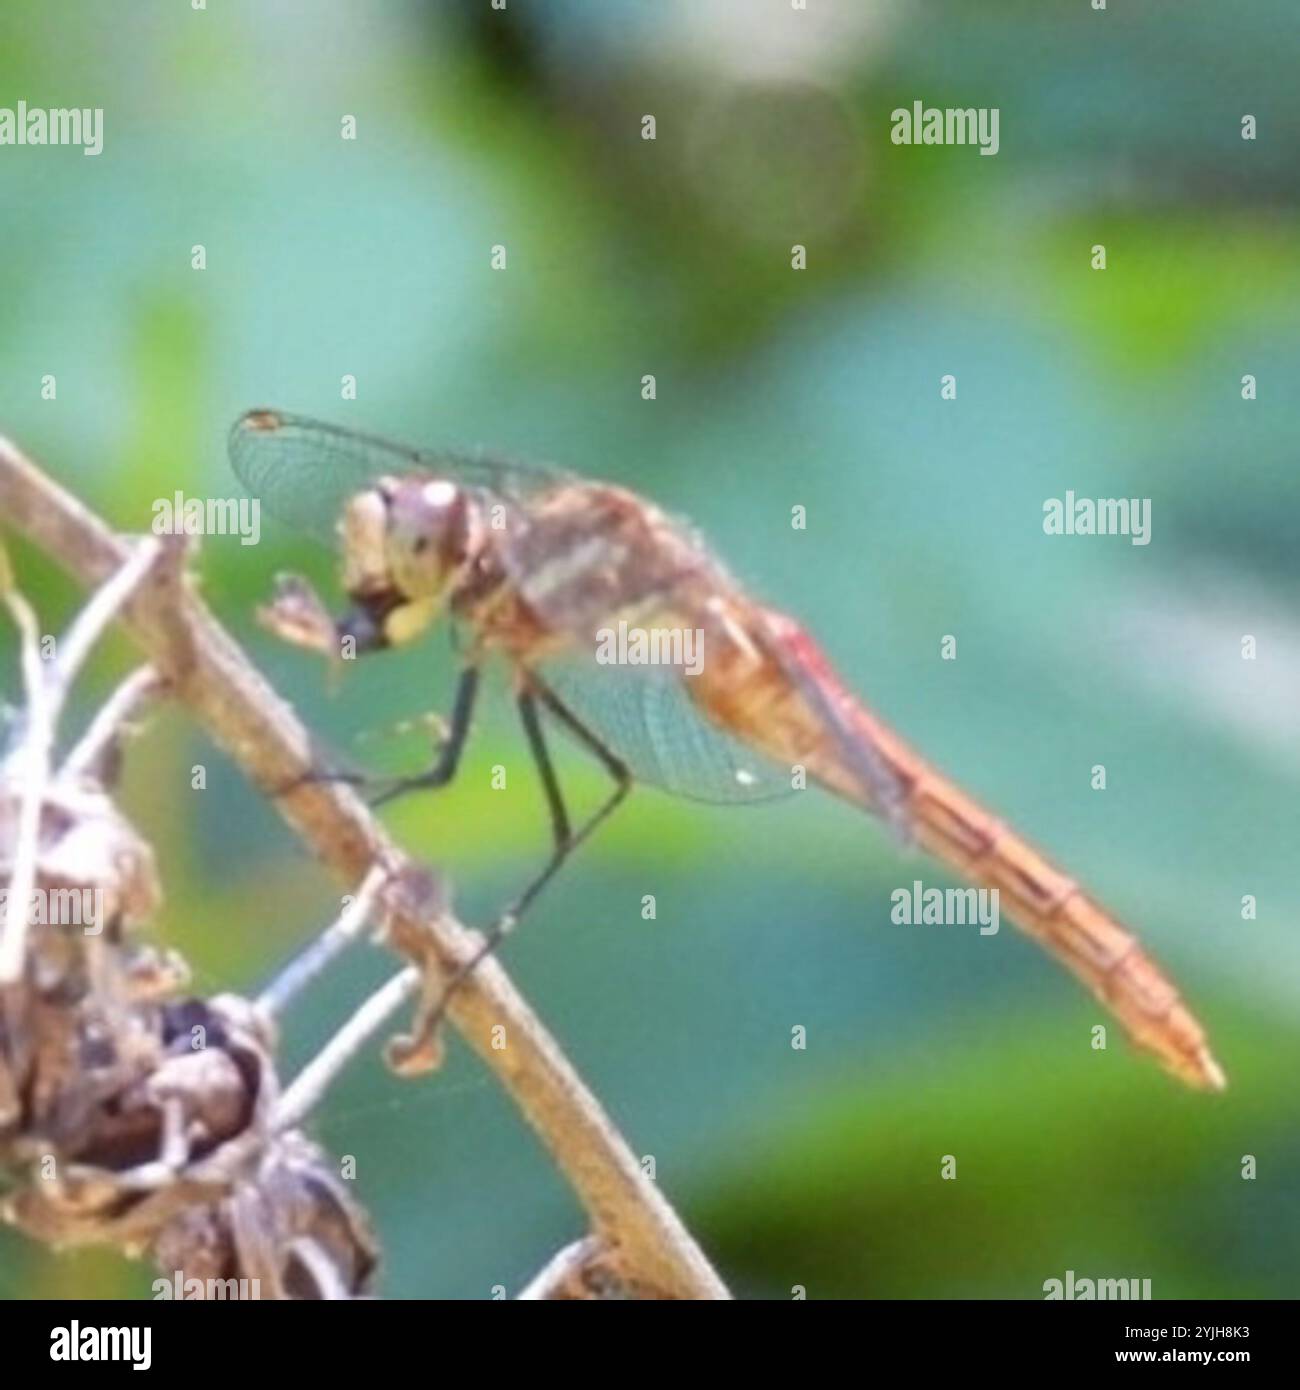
(440, 494)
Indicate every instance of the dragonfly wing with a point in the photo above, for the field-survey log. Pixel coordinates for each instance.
(305, 470)
(646, 717)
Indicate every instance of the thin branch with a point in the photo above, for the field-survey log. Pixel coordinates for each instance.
(335, 939)
(646, 1241)
(110, 719)
(301, 1097)
(562, 1274)
(29, 763)
(104, 605)
(46, 690)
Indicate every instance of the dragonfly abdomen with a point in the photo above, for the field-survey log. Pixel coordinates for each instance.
(1049, 906)
(1040, 899)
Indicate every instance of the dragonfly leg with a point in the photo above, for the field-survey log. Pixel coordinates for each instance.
(566, 840)
(449, 749)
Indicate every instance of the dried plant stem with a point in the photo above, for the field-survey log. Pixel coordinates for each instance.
(46, 691)
(103, 607)
(335, 939)
(560, 1273)
(142, 684)
(36, 753)
(315, 1079)
(641, 1238)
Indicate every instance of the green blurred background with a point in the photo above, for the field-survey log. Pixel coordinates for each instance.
(774, 388)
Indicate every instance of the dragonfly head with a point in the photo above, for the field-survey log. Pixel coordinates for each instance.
(405, 542)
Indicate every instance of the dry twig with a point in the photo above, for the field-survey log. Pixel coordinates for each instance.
(638, 1244)
(129, 1113)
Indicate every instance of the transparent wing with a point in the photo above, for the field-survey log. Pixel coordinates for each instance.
(645, 716)
(305, 470)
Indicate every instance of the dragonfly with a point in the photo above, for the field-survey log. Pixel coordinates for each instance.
(620, 626)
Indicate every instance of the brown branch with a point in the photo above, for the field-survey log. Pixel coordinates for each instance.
(640, 1240)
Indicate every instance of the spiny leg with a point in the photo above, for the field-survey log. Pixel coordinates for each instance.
(448, 760)
(444, 768)
(565, 840)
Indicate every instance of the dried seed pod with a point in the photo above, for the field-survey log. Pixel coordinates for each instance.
(175, 1114)
(291, 1230)
(68, 1039)
(95, 882)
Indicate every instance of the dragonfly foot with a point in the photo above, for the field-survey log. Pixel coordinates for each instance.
(395, 787)
(314, 775)
(422, 1050)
